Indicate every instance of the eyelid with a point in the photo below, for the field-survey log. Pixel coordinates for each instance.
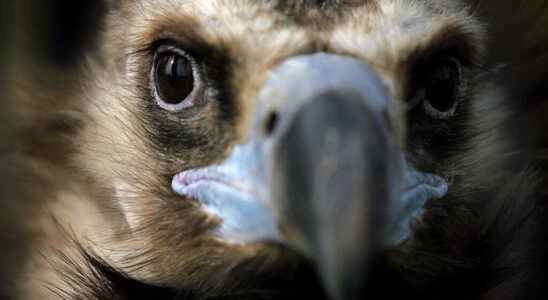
(165, 48)
(169, 43)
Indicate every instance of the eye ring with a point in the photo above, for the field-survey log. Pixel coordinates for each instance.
(191, 91)
(437, 114)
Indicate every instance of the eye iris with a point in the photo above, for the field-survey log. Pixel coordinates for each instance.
(174, 78)
(443, 88)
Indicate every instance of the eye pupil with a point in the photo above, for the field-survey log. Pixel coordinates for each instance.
(443, 86)
(174, 78)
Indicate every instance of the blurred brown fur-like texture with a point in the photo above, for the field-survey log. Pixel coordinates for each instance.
(10, 234)
(41, 41)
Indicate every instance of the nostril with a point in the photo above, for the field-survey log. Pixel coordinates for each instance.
(271, 122)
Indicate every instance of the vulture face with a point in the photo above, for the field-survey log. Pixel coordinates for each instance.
(222, 142)
(231, 130)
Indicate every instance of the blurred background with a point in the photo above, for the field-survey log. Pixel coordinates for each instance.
(36, 36)
(8, 234)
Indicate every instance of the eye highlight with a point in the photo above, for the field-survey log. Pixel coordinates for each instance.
(176, 79)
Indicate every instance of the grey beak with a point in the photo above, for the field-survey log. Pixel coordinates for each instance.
(333, 176)
(335, 168)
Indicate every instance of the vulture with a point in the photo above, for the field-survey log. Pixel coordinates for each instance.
(275, 149)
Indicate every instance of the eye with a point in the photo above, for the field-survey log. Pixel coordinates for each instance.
(441, 85)
(177, 79)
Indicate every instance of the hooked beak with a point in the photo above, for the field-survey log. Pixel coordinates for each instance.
(335, 171)
(322, 172)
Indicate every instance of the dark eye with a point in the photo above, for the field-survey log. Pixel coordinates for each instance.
(441, 85)
(176, 78)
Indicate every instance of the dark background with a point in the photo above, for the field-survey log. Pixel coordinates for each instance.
(34, 34)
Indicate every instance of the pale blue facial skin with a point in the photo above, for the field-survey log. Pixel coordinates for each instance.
(237, 191)
(416, 190)
(236, 194)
